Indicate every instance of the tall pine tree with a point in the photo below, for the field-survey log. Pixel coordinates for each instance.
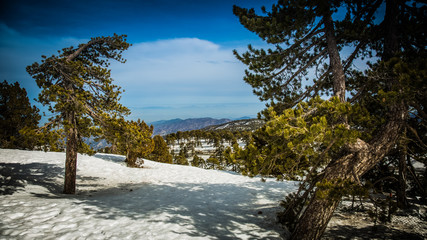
(77, 87)
(318, 49)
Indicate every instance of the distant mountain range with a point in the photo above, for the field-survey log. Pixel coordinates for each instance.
(165, 127)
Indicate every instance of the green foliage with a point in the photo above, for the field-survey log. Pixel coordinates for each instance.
(76, 83)
(181, 159)
(295, 32)
(19, 123)
(213, 163)
(305, 135)
(339, 188)
(216, 136)
(133, 139)
(77, 88)
(161, 151)
(16, 115)
(197, 161)
(302, 140)
(84, 78)
(230, 156)
(45, 139)
(223, 158)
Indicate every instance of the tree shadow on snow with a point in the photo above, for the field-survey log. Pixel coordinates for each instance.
(15, 176)
(111, 158)
(206, 210)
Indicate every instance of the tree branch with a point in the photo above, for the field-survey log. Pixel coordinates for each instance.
(417, 136)
(72, 56)
(305, 67)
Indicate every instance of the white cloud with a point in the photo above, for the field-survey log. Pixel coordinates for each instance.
(188, 76)
(184, 60)
(190, 69)
(183, 75)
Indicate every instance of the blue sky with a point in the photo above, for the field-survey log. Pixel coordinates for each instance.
(180, 65)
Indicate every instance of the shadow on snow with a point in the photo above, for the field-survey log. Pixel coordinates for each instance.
(112, 158)
(15, 176)
(207, 210)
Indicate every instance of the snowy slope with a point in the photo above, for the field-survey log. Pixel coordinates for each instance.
(160, 201)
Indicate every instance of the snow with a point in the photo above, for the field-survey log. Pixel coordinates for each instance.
(223, 127)
(159, 201)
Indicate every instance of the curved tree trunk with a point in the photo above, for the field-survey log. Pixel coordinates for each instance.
(362, 157)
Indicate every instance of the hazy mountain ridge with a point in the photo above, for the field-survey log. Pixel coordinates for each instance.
(165, 127)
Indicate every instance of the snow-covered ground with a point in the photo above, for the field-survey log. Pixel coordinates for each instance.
(159, 201)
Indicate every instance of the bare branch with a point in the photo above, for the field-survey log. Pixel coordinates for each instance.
(316, 86)
(305, 67)
(351, 58)
(83, 47)
(301, 69)
(417, 136)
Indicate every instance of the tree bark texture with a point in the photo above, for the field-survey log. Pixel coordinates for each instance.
(362, 157)
(334, 58)
(72, 132)
(391, 43)
(71, 155)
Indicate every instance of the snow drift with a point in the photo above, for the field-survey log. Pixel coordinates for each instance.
(159, 201)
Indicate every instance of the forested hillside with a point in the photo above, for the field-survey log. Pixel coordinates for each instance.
(165, 127)
(238, 125)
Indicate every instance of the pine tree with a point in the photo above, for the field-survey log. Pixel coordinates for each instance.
(161, 151)
(197, 162)
(213, 163)
(181, 158)
(16, 114)
(77, 87)
(133, 139)
(332, 142)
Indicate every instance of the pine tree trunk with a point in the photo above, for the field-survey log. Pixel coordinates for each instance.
(71, 156)
(334, 58)
(362, 157)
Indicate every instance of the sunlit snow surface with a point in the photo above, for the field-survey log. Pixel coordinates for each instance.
(159, 201)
